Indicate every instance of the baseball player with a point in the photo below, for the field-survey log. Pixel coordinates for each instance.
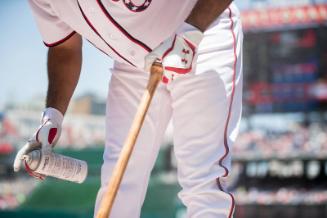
(199, 43)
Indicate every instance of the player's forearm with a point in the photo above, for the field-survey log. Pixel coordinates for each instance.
(205, 12)
(64, 66)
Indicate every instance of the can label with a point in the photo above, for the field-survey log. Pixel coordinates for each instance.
(60, 166)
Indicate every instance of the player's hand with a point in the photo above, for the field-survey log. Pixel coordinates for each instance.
(177, 53)
(44, 138)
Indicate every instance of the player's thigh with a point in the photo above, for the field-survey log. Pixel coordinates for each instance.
(207, 105)
(125, 91)
(203, 119)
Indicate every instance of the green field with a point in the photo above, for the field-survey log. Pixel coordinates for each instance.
(57, 198)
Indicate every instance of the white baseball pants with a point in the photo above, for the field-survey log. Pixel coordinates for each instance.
(205, 108)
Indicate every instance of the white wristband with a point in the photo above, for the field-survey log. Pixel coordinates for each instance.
(52, 114)
(186, 27)
(190, 32)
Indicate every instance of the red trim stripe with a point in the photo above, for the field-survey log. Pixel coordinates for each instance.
(97, 47)
(118, 26)
(228, 119)
(32, 173)
(179, 70)
(96, 32)
(60, 41)
(231, 210)
(169, 49)
(232, 98)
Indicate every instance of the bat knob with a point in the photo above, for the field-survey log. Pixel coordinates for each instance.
(157, 68)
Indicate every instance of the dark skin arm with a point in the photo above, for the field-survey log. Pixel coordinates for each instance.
(64, 67)
(205, 12)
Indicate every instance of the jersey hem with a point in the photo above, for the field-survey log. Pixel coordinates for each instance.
(59, 41)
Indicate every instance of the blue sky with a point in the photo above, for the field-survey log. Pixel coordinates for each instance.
(23, 58)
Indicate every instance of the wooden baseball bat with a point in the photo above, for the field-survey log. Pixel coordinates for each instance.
(118, 172)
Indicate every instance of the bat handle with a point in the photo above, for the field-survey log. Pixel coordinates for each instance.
(156, 72)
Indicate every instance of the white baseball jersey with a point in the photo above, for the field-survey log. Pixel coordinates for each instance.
(205, 105)
(126, 30)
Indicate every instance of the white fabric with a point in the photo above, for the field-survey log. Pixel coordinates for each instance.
(177, 53)
(53, 114)
(151, 26)
(52, 28)
(198, 104)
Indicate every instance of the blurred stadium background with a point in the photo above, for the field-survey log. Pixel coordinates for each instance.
(280, 158)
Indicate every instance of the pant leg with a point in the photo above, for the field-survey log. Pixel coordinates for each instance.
(125, 90)
(206, 116)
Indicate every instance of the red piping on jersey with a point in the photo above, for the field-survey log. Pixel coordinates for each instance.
(93, 28)
(97, 47)
(230, 194)
(228, 119)
(60, 41)
(118, 26)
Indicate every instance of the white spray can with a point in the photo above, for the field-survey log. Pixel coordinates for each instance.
(56, 165)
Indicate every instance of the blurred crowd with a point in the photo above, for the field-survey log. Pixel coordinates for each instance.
(14, 192)
(78, 131)
(297, 140)
(281, 196)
